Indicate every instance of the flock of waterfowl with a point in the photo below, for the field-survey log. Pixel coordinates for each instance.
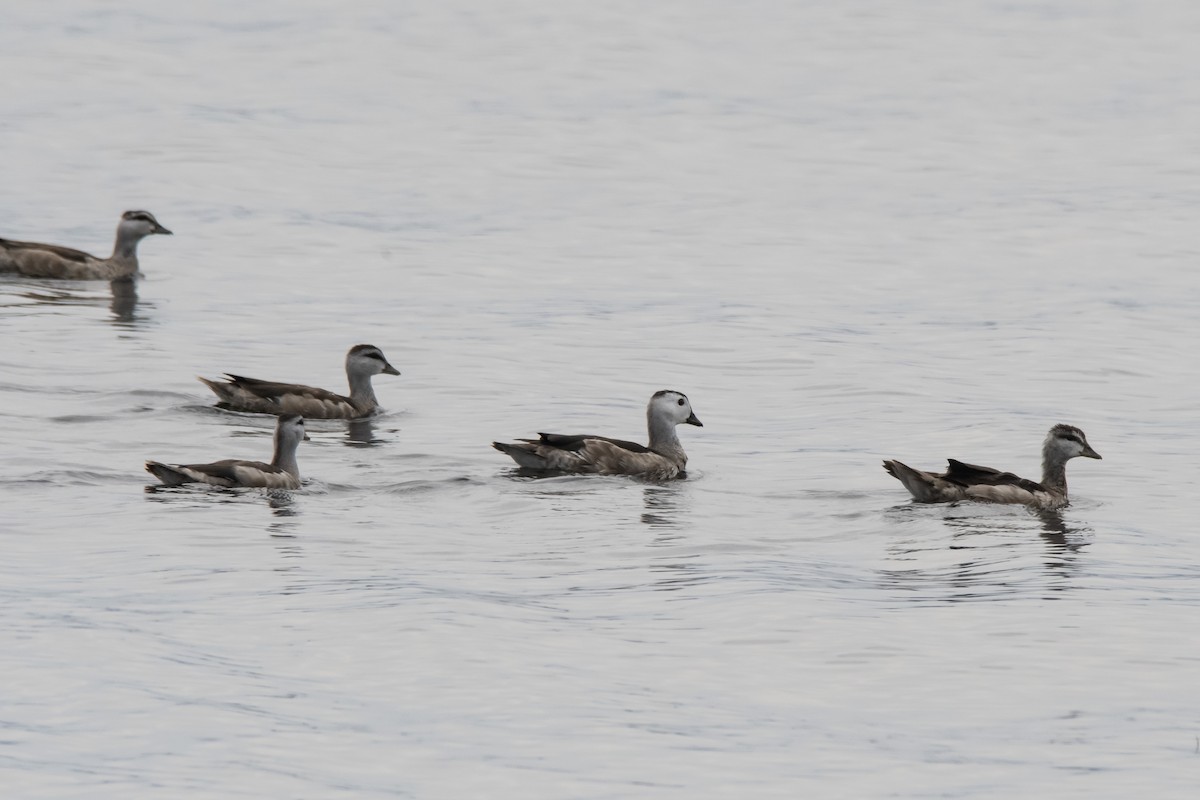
(662, 458)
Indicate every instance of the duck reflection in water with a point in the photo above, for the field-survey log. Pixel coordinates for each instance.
(282, 502)
(124, 301)
(665, 513)
(361, 433)
(368, 432)
(661, 505)
(988, 555)
(283, 528)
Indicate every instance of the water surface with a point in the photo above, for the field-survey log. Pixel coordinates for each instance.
(847, 232)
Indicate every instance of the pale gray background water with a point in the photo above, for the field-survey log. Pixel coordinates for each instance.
(847, 230)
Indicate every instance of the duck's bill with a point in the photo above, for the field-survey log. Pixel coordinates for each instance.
(390, 370)
(1090, 453)
(160, 229)
(694, 420)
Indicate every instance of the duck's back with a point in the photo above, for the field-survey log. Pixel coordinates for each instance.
(576, 442)
(240, 393)
(228, 473)
(47, 260)
(591, 454)
(963, 481)
(968, 475)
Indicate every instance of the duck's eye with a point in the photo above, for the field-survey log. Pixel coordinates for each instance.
(681, 401)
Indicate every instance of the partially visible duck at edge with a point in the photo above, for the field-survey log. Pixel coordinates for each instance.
(970, 482)
(282, 473)
(52, 261)
(363, 362)
(662, 459)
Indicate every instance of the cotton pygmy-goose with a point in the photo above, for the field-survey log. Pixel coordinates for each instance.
(51, 261)
(281, 473)
(250, 394)
(662, 459)
(969, 482)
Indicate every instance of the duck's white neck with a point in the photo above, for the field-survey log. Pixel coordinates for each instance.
(285, 455)
(663, 438)
(125, 249)
(1054, 470)
(362, 393)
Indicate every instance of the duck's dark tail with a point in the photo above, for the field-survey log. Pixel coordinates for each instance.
(523, 454)
(167, 474)
(920, 485)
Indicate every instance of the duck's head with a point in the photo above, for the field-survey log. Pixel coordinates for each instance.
(367, 359)
(138, 224)
(289, 430)
(1067, 441)
(674, 407)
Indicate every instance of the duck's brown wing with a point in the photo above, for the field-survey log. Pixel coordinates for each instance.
(220, 473)
(265, 389)
(236, 472)
(974, 475)
(226, 471)
(591, 454)
(574, 442)
(62, 252)
(271, 389)
(251, 394)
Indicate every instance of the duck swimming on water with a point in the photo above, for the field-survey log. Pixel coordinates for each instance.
(266, 397)
(281, 473)
(663, 458)
(52, 261)
(970, 482)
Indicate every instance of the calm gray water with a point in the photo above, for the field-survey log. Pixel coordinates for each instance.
(848, 231)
